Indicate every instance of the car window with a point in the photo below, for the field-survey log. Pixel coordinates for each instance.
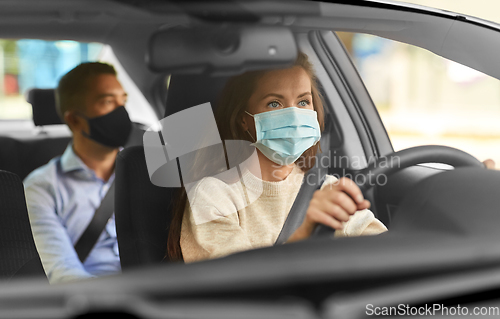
(33, 63)
(138, 107)
(425, 99)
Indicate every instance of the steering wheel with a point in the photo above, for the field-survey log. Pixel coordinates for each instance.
(392, 163)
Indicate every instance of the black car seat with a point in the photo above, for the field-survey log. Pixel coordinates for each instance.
(22, 154)
(143, 210)
(18, 255)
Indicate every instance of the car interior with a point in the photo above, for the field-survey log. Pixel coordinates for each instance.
(18, 246)
(154, 43)
(353, 128)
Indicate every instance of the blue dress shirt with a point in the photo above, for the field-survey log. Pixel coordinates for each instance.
(62, 197)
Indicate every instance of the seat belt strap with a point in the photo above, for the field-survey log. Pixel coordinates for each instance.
(91, 234)
(312, 182)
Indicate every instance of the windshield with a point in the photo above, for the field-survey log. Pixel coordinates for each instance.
(484, 9)
(265, 176)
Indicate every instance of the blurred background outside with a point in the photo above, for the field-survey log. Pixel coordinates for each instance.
(422, 98)
(31, 63)
(26, 64)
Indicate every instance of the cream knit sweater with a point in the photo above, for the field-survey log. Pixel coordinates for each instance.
(222, 218)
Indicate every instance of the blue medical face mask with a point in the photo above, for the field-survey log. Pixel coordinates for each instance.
(284, 134)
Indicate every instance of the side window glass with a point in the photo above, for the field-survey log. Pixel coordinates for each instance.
(425, 99)
(30, 63)
(138, 106)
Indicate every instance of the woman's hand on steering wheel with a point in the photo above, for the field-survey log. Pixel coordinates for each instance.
(489, 163)
(331, 206)
(406, 158)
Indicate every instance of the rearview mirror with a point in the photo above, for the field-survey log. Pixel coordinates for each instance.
(225, 50)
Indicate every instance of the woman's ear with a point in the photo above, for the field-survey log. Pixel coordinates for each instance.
(243, 123)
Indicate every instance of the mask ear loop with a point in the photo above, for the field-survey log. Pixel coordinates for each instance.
(254, 140)
(248, 132)
(80, 114)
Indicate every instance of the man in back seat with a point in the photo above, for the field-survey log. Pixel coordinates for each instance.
(63, 195)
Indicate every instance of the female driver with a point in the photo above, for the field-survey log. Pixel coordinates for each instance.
(281, 112)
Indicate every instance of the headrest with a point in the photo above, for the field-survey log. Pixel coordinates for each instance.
(43, 103)
(190, 90)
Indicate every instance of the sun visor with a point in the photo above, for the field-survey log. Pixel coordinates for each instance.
(220, 50)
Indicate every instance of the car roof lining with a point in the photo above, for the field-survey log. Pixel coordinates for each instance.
(73, 19)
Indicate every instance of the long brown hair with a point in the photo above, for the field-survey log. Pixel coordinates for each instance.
(230, 109)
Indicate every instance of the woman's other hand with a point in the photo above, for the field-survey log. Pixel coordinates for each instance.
(331, 206)
(489, 163)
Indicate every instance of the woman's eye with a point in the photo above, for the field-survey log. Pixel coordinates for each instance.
(304, 103)
(274, 104)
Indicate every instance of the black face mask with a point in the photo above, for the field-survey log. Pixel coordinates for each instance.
(112, 129)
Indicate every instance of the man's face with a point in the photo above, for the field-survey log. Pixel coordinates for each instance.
(104, 94)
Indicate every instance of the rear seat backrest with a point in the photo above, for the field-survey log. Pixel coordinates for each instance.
(24, 154)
